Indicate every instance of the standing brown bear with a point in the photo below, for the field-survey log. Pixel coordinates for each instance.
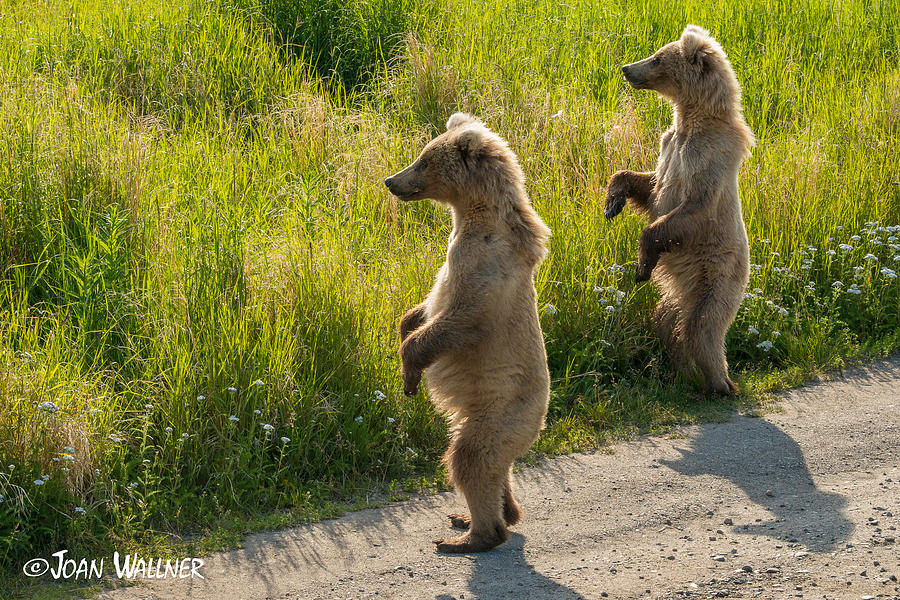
(696, 244)
(477, 335)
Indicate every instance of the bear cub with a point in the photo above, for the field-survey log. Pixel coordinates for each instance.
(477, 336)
(695, 246)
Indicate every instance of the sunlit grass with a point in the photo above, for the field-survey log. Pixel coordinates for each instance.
(195, 242)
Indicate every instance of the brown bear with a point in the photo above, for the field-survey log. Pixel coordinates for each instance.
(477, 335)
(696, 243)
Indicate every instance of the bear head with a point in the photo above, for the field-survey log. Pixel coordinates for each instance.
(693, 72)
(466, 161)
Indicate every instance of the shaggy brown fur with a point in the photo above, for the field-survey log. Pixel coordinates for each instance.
(477, 335)
(696, 243)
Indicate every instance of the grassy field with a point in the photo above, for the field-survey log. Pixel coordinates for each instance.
(201, 272)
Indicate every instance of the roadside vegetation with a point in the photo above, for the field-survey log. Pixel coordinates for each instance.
(201, 271)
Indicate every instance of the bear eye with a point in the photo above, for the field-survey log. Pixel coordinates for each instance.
(655, 62)
(423, 164)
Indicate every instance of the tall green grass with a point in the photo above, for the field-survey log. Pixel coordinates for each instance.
(201, 272)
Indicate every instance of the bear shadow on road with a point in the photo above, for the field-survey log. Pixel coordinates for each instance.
(769, 466)
(504, 573)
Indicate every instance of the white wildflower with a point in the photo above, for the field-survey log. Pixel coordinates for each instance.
(837, 284)
(79, 510)
(379, 395)
(201, 398)
(752, 330)
(38, 482)
(888, 273)
(610, 309)
(358, 419)
(258, 383)
(45, 477)
(550, 309)
(168, 430)
(765, 346)
(783, 312)
(234, 418)
(267, 427)
(830, 253)
(870, 257)
(845, 247)
(257, 412)
(775, 334)
(390, 419)
(285, 440)
(48, 406)
(855, 238)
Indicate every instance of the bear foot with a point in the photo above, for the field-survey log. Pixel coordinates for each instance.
(723, 387)
(470, 543)
(512, 514)
(460, 521)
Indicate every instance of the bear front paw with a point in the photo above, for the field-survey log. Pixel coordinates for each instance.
(615, 202)
(645, 266)
(411, 380)
(615, 195)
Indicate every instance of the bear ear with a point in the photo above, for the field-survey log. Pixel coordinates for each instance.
(696, 43)
(459, 119)
(468, 143)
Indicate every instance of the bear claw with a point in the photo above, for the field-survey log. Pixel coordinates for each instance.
(614, 205)
(465, 544)
(460, 521)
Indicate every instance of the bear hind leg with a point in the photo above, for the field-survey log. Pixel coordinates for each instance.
(482, 483)
(704, 338)
(512, 512)
(666, 317)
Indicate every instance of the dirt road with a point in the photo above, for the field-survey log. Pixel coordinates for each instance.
(802, 503)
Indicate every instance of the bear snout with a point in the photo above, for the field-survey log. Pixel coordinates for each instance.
(631, 77)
